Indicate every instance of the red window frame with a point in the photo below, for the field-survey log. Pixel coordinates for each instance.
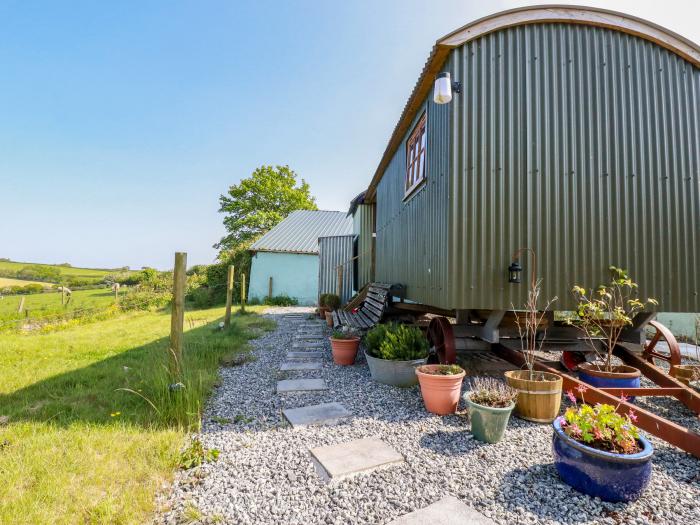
(416, 155)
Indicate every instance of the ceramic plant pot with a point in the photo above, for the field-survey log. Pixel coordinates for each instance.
(440, 392)
(539, 399)
(488, 423)
(622, 376)
(344, 350)
(606, 475)
(394, 373)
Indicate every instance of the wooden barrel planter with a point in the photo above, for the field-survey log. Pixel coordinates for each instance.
(539, 400)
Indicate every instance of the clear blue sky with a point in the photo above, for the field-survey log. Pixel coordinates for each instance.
(122, 122)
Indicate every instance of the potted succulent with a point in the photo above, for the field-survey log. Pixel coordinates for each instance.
(394, 351)
(603, 315)
(440, 386)
(600, 452)
(344, 344)
(490, 403)
(539, 398)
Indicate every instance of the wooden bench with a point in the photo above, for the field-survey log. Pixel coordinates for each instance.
(369, 313)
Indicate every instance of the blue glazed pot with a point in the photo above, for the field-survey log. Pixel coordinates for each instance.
(609, 476)
(622, 376)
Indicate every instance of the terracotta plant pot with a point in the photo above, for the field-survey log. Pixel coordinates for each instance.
(622, 376)
(440, 392)
(685, 373)
(539, 399)
(322, 312)
(344, 350)
(329, 319)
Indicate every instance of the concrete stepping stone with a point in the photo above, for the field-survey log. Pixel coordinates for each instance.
(448, 511)
(353, 457)
(302, 365)
(309, 337)
(301, 385)
(323, 414)
(304, 355)
(308, 344)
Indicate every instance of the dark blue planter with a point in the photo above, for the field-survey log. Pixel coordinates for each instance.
(611, 477)
(623, 377)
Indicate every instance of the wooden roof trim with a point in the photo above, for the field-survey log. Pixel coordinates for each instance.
(592, 16)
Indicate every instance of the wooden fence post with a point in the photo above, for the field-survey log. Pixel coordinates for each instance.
(242, 292)
(177, 318)
(63, 296)
(229, 296)
(269, 288)
(21, 305)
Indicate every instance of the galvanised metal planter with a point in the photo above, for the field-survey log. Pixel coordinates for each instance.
(609, 476)
(394, 373)
(622, 376)
(488, 423)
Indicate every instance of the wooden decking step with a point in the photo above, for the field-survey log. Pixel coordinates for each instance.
(448, 511)
(304, 355)
(301, 365)
(301, 385)
(353, 457)
(323, 414)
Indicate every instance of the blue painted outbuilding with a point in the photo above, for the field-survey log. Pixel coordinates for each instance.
(286, 259)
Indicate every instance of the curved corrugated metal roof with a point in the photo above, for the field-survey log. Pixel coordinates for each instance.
(299, 232)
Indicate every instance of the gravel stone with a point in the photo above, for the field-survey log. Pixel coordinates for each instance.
(264, 474)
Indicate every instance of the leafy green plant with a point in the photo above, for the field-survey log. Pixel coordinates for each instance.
(329, 300)
(195, 454)
(399, 342)
(221, 420)
(374, 338)
(346, 332)
(280, 300)
(600, 426)
(605, 312)
(491, 392)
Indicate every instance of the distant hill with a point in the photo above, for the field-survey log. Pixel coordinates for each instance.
(54, 273)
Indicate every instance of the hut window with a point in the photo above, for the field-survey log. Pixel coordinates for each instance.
(415, 156)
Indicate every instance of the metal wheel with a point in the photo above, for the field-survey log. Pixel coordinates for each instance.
(673, 356)
(442, 340)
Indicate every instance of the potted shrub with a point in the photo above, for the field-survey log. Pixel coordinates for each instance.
(539, 398)
(394, 351)
(344, 344)
(440, 386)
(322, 308)
(603, 315)
(490, 403)
(332, 303)
(600, 452)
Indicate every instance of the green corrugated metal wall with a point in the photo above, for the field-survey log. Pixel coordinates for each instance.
(580, 142)
(363, 226)
(412, 234)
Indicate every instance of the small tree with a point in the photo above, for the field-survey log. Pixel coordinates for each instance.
(527, 328)
(606, 312)
(261, 201)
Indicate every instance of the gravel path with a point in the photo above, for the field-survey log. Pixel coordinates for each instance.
(264, 474)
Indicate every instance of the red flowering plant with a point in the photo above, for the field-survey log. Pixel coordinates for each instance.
(600, 426)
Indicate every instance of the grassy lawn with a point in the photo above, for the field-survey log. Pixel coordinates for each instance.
(77, 449)
(49, 304)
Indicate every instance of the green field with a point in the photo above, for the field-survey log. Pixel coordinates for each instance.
(45, 305)
(6, 281)
(77, 449)
(93, 274)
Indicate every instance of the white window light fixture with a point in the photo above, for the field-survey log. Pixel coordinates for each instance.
(442, 93)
